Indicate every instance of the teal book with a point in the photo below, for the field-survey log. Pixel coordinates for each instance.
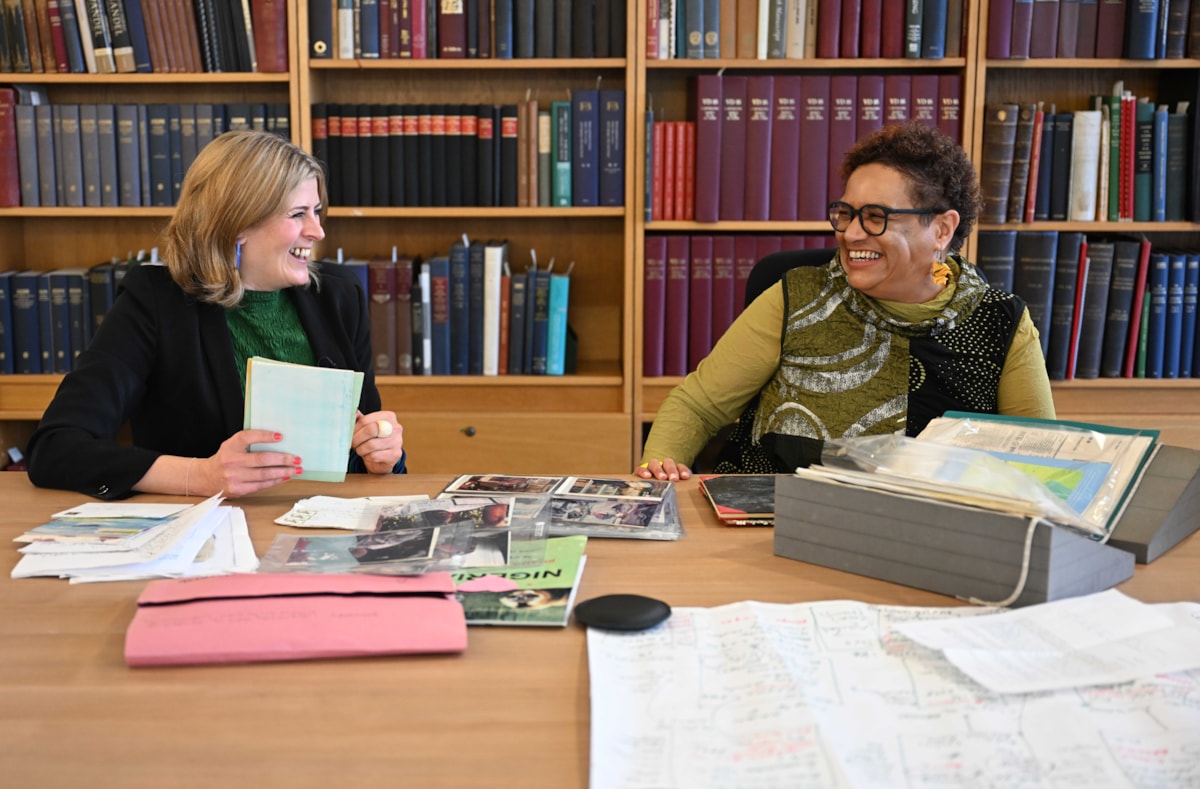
(560, 181)
(556, 331)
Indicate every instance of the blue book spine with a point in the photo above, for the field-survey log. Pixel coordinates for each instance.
(1141, 30)
(70, 30)
(1173, 340)
(556, 330)
(612, 147)
(439, 303)
(1158, 196)
(997, 257)
(460, 307)
(712, 29)
(502, 29)
(933, 29)
(26, 325)
(585, 148)
(1156, 285)
(137, 35)
(368, 29)
(693, 28)
(1191, 289)
(100, 282)
(60, 323)
(475, 257)
(6, 323)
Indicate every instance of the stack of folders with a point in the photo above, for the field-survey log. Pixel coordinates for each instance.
(114, 541)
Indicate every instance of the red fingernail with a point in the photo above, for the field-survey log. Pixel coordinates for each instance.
(297, 461)
(299, 471)
(278, 436)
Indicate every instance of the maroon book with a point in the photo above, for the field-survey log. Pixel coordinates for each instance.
(687, 149)
(405, 42)
(708, 147)
(791, 242)
(785, 148)
(897, 98)
(654, 303)
(745, 257)
(483, 30)
(1110, 29)
(814, 148)
(733, 147)
(700, 296)
(870, 37)
(949, 119)
(767, 245)
(381, 292)
(418, 24)
(829, 26)
(404, 281)
(452, 30)
(1000, 29)
(667, 148)
(850, 29)
(1085, 47)
(870, 105)
(657, 170)
(10, 180)
(923, 103)
(1043, 30)
(756, 178)
(891, 29)
(1022, 21)
(723, 291)
(1068, 29)
(675, 338)
(269, 19)
(843, 115)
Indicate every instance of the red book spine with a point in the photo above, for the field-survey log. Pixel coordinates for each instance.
(745, 256)
(452, 30)
(654, 306)
(870, 105)
(57, 37)
(1000, 29)
(1128, 146)
(688, 202)
(785, 148)
(870, 40)
(897, 98)
(733, 147)
(760, 98)
(700, 296)
(1110, 28)
(10, 180)
(505, 323)
(679, 182)
(850, 28)
(269, 18)
(657, 173)
(722, 285)
(675, 342)
(767, 245)
(891, 29)
(1035, 165)
(814, 152)
(1135, 312)
(924, 102)
(829, 25)
(1043, 29)
(708, 147)
(1077, 317)
(652, 31)
(949, 120)
(405, 44)
(1022, 29)
(843, 114)
(416, 10)
(668, 178)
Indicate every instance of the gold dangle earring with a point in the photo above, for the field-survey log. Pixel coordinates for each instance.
(939, 271)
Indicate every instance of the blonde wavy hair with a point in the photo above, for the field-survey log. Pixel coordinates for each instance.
(238, 181)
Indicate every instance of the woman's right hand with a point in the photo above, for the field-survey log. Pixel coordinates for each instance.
(237, 471)
(666, 469)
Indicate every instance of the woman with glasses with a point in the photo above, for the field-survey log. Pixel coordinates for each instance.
(895, 330)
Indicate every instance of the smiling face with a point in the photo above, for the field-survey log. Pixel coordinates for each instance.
(276, 252)
(896, 265)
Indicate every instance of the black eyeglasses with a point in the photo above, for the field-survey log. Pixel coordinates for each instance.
(873, 218)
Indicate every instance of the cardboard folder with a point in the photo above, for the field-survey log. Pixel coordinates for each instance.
(283, 616)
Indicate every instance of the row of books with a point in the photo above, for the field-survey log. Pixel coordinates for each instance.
(112, 154)
(1137, 29)
(767, 29)
(769, 147)
(502, 29)
(695, 285)
(1126, 160)
(1105, 306)
(564, 153)
(125, 36)
(467, 313)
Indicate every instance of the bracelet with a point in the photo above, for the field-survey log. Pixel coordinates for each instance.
(187, 476)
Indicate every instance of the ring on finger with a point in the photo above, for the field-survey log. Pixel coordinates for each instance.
(384, 427)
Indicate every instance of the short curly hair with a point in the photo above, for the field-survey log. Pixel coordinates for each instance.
(937, 169)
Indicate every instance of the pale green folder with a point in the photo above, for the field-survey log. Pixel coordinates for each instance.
(313, 408)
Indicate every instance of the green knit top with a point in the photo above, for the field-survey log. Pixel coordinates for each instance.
(266, 324)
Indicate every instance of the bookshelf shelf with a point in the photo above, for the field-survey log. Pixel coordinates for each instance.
(450, 64)
(1091, 64)
(812, 64)
(467, 212)
(174, 78)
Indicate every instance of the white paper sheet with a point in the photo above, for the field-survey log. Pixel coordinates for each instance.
(332, 512)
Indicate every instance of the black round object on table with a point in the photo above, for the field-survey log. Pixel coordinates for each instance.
(622, 612)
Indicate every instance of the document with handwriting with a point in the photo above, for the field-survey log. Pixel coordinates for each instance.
(314, 408)
(832, 694)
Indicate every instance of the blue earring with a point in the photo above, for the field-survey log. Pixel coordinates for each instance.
(237, 259)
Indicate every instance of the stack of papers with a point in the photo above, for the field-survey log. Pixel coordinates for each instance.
(105, 541)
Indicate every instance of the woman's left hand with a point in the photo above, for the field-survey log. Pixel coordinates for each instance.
(379, 440)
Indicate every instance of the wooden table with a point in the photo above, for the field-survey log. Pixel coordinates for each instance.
(511, 711)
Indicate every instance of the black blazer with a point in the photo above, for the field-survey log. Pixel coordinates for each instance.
(163, 362)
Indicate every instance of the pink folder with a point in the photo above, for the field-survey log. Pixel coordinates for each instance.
(283, 616)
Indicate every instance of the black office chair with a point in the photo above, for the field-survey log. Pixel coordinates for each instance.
(771, 269)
